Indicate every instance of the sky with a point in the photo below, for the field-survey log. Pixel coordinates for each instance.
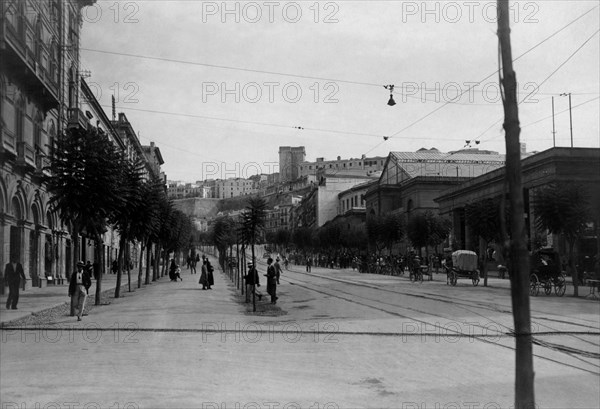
(220, 86)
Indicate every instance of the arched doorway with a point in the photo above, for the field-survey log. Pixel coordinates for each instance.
(16, 232)
(34, 248)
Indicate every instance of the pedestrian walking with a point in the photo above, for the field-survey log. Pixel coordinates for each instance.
(209, 277)
(193, 263)
(271, 281)
(13, 274)
(78, 288)
(252, 282)
(308, 264)
(278, 269)
(204, 274)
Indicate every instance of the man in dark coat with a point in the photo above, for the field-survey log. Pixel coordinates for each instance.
(271, 281)
(13, 273)
(78, 288)
(252, 281)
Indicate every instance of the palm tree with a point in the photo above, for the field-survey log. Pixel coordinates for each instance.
(84, 185)
(123, 219)
(253, 221)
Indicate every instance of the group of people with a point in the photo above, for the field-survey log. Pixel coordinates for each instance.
(253, 281)
(206, 277)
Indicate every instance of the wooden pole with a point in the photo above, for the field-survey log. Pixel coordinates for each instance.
(519, 256)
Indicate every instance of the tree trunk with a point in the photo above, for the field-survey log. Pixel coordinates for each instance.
(128, 249)
(156, 257)
(99, 244)
(74, 260)
(573, 268)
(524, 375)
(148, 259)
(253, 285)
(165, 260)
(139, 285)
(120, 264)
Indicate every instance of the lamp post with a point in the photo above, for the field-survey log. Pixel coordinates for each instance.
(564, 94)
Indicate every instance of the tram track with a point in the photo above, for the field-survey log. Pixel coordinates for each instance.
(351, 297)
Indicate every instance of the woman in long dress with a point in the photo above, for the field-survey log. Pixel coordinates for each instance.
(204, 274)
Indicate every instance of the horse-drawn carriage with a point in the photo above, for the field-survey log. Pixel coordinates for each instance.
(546, 273)
(464, 265)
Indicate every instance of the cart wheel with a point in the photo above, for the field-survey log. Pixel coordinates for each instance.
(548, 287)
(560, 285)
(453, 278)
(534, 285)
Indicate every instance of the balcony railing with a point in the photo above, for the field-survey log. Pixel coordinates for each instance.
(77, 119)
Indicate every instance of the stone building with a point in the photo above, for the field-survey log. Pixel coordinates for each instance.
(556, 165)
(410, 181)
(39, 92)
(369, 165)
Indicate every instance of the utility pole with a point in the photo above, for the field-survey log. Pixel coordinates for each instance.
(553, 128)
(570, 115)
(519, 256)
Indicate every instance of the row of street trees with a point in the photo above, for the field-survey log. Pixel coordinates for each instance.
(380, 233)
(94, 185)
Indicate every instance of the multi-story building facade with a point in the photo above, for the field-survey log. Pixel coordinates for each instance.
(364, 164)
(321, 204)
(154, 161)
(354, 198)
(39, 91)
(278, 218)
(234, 187)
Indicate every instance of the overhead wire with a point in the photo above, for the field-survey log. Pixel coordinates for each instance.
(395, 135)
(543, 81)
(494, 73)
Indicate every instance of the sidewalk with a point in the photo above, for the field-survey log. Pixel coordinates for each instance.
(34, 300)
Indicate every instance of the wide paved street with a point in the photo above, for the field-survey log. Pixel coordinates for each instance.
(336, 339)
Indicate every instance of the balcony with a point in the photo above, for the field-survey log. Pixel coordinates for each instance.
(25, 155)
(25, 68)
(8, 144)
(77, 119)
